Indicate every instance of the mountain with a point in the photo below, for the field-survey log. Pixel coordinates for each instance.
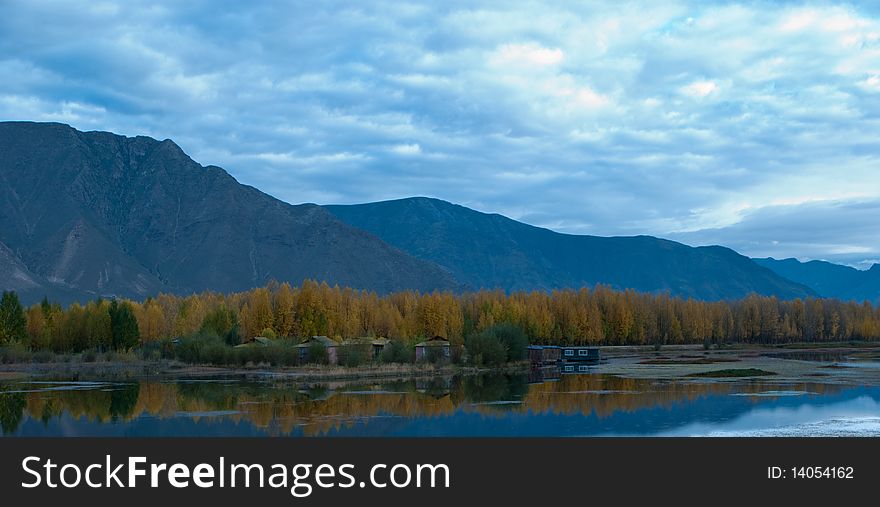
(828, 279)
(87, 214)
(489, 251)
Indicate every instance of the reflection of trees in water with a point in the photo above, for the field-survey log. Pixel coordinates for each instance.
(12, 406)
(315, 410)
(493, 387)
(123, 401)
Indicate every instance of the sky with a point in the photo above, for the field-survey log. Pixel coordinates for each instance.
(752, 125)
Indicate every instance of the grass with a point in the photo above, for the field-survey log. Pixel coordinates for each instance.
(742, 372)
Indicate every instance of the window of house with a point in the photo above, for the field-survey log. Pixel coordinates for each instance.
(569, 352)
(583, 352)
(582, 368)
(569, 368)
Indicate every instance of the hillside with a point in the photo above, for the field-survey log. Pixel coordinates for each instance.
(828, 279)
(492, 251)
(87, 214)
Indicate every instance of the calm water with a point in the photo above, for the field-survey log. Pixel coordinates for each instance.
(488, 405)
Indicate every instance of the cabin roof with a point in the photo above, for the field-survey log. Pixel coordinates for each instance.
(256, 340)
(437, 341)
(367, 340)
(323, 340)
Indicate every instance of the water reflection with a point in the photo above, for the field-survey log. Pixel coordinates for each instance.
(493, 405)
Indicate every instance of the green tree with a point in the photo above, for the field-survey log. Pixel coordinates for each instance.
(223, 323)
(124, 326)
(486, 349)
(13, 323)
(512, 337)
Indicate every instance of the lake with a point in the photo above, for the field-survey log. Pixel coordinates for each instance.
(497, 405)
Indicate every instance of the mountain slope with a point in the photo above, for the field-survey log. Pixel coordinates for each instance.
(828, 279)
(93, 213)
(490, 251)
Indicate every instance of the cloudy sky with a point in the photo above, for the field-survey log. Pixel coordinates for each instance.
(753, 125)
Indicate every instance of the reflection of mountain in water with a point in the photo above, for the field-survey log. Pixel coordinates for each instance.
(460, 406)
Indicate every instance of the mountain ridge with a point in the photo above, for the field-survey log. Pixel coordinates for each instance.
(518, 256)
(102, 214)
(829, 279)
(90, 214)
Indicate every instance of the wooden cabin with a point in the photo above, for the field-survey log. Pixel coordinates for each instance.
(580, 354)
(378, 346)
(437, 348)
(544, 354)
(375, 345)
(330, 345)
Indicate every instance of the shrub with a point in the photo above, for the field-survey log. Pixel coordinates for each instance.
(43, 356)
(354, 355)
(486, 349)
(196, 349)
(397, 352)
(512, 337)
(497, 344)
(153, 351)
(268, 333)
(317, 354)
(14, 352)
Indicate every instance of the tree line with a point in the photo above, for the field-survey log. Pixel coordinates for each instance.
(589, 316)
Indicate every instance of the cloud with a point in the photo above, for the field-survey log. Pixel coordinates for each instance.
(699, 88)
(686, 119)
(529, 54)
(837, 231)
(406, 149)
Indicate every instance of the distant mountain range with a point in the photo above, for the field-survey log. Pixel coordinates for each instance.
(488, 250)
(94, 214)
(829, 280)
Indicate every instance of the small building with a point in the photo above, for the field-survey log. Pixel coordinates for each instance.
(376, 345)
(544, 354)
(330, 345)
(580, 354)
(437, 348)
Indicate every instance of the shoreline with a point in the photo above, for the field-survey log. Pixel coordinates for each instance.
(143, 369)
(691, 363)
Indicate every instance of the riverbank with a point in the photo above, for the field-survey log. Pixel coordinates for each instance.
(133, 368)
(851, 363)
